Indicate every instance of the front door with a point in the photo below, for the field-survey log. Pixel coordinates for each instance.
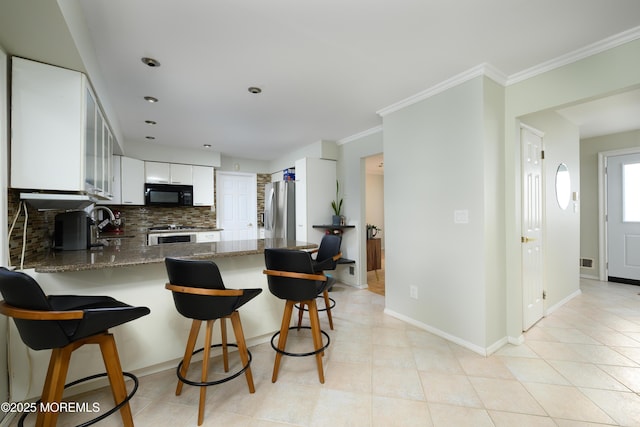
(623, 218)
(236, 200)
(532, 226)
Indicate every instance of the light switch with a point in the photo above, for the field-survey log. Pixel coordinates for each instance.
(461, 216)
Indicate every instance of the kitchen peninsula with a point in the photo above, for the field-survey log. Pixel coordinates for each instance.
(130, 271)
(131, 251)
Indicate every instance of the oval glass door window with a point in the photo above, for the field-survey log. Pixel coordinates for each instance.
(563, 186)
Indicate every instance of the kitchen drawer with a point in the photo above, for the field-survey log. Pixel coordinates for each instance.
(207, 236)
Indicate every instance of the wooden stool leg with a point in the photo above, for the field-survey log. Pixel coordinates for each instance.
(300, 314)
(54, 383)
(242, 348)
(116, 379)
(282, 339)
(205, 371)
(327, 305)
(188, 352)
(317, 337)
(225, 353)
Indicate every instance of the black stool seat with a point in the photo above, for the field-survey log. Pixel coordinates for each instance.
(63, 323)
(291, 277)
(199, 294)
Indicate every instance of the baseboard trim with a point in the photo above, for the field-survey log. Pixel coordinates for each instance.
(466, 344)
(562, 302)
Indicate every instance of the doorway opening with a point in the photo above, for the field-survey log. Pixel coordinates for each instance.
(374, 217)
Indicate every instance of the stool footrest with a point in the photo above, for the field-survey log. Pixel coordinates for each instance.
(106, 414)
(333, 304)
(223, 380)
(311, 353)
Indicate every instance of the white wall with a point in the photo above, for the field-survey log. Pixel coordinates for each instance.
(317, 150)
(435, 165)
(562, 227)
(236, 164)
(589, 224)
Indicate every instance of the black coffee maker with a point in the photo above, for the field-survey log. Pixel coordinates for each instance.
(72, 231)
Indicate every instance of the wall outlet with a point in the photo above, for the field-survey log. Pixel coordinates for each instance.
(413, 292)
(352, 270)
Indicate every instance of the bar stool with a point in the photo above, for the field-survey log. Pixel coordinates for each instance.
(291, 277)
(64, 323)
(327, 256)
(199, 294)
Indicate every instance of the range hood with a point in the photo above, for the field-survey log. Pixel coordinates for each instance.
(56, 201)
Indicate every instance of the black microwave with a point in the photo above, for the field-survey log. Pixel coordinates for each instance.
(168, 195)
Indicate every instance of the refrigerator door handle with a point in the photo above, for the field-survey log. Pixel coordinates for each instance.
(269, 221)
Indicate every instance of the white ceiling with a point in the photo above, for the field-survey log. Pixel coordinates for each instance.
(325, 67)
(615, 113)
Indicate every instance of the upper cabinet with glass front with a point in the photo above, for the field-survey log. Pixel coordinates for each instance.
(60, 139)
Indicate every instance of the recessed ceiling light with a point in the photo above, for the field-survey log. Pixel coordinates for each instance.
(254, 90)
(150, 137)
(206, 145)
(150, 99)
(151, 122)
(150, 62)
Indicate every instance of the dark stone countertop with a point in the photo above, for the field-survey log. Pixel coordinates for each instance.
(131, 250)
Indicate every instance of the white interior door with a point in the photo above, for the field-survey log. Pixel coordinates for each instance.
(623, 218)
(532, 226)
(236, 199)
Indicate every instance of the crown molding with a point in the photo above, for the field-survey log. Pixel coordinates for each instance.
(485, 69)
(585, 52)
(359, 135)
(499, 77)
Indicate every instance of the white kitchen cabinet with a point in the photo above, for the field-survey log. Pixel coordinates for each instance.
(157, 172)
(181, 174)
(203, 186)
(132, 181)
(315, 189)
(168, 173)
(207, 236)
(115, 185)
(57, 131)
(128, 182)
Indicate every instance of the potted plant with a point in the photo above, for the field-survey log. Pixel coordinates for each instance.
(336, 205)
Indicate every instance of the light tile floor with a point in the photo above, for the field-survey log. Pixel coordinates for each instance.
(580, 366)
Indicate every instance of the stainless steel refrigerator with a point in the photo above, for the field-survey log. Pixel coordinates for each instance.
(280, 210)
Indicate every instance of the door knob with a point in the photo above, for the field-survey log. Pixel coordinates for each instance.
(526, 239)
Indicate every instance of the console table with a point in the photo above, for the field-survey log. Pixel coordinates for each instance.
(374, 255)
